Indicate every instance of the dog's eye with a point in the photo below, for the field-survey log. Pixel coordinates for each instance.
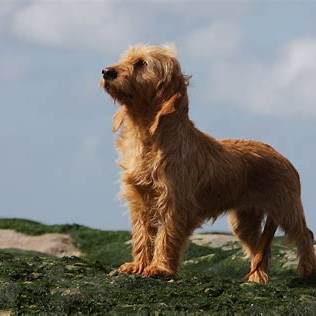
(140, 63)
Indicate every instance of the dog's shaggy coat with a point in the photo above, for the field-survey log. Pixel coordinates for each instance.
(175, 177)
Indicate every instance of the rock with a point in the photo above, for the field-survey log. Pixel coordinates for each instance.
(59, 245)
(214, 240)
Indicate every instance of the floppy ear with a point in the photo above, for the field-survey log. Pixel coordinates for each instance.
(168, 107)
(118, 118)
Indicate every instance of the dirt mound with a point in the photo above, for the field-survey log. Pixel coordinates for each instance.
(59, 245)
(214, 240)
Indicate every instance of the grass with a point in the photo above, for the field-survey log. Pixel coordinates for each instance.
(209, 282)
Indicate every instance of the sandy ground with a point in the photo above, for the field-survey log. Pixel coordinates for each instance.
(53, 244)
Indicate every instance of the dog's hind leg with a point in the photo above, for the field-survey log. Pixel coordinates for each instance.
(246, 225)
(260, 261)
(294, 226)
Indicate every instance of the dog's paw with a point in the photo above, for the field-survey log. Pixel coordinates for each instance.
(259, 276)
(133, 267)
(154, 270)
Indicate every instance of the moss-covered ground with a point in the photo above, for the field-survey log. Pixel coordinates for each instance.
(209, 282)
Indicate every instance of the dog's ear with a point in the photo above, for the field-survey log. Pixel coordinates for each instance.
(118, 119)
(168, 107)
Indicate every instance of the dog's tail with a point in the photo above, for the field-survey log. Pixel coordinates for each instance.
(263, 248)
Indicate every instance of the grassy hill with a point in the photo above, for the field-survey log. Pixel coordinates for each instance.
(208, 283)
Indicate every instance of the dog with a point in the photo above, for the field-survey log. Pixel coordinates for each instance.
(175, 177)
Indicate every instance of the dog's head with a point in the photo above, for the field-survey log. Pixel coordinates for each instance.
(147, 81)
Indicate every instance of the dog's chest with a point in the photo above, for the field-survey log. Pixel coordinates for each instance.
(141, 164)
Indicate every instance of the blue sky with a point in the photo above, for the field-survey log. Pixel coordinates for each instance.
(254, 76)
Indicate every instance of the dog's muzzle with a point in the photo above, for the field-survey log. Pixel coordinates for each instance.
(109, 73)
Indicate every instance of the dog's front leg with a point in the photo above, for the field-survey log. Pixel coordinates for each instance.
(170, 244)
(143, 234)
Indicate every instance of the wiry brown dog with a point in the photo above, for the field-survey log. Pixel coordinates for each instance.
(175, 177)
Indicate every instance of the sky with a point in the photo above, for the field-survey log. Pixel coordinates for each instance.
(253, 67)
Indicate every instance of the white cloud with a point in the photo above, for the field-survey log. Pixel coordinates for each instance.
(283, 88)
(203, 9)
(218, 39)
(98, 26)
(113, 25)
(7, 10)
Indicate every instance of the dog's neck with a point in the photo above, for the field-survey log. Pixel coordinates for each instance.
(139, 121)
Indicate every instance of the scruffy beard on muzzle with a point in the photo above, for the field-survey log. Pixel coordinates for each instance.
(103, 84)
(116, 93)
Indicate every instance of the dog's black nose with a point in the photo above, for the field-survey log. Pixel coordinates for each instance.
(109, 73)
